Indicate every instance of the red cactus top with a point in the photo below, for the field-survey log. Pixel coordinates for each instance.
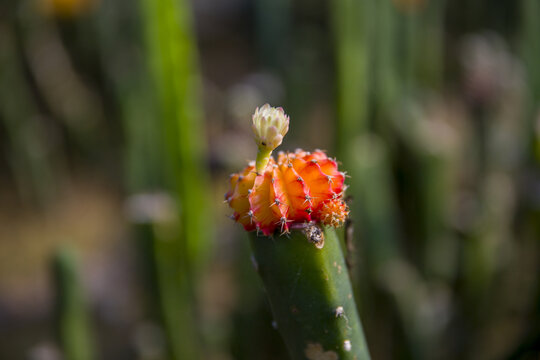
(301, 187)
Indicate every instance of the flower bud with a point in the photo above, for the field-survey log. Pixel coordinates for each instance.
(270, 125)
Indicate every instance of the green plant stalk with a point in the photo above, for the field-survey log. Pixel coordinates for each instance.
(143, 154)
(311, 296)
(71, 309)
(440, 252)
(423, 39)
(429, 179)
(530, 50)
(175, 295)
(374, 201)
(375, 209)
(431, 58)
(173, 59)
(36, 169)
(352, 54)
(386, 62)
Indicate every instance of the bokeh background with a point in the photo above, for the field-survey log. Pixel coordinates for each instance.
(121, 120)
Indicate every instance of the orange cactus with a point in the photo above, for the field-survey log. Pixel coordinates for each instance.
(300, 187)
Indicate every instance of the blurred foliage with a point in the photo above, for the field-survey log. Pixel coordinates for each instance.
(433, 107)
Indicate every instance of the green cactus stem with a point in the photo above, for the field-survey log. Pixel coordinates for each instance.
(311, 295)
(71, 309)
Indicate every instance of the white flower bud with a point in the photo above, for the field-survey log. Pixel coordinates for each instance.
(270, 125)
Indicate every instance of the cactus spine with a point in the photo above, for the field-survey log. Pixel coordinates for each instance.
(311, 296)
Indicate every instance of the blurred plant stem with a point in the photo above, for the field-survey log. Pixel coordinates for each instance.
(172, 55)
(374, 215)
(350, 26)
(530, 50)
(382, 264)
(72, 319)
(374, 200)
(31, 152)
(181, 255)
(406, 43)
(168, 293)
(124, 66)
(386, 60)
(176, 295)
(402, 42)
(429, 150)
(423, 31)
(144, 174)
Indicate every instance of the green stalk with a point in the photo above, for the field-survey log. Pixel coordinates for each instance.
(530, 50)
(143, 153)
(173, 59)
(181, 252)
(175, 295)
(311, 296)
(351, 42)
(33, 161)
(72, 313)
(423, 39)
(386, 62)
(374, 205)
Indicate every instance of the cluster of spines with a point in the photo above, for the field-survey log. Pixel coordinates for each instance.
(300, 187)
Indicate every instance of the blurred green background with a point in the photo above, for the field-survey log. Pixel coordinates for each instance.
(120, 121)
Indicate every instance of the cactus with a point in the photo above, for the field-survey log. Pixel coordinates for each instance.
(300, 187)
(311, 295)
(304, 273)
(72, 317)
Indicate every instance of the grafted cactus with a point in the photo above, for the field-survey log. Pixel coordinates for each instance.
(300, 187)
(296, 202)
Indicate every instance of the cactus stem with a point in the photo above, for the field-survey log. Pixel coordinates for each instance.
(310, 294)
